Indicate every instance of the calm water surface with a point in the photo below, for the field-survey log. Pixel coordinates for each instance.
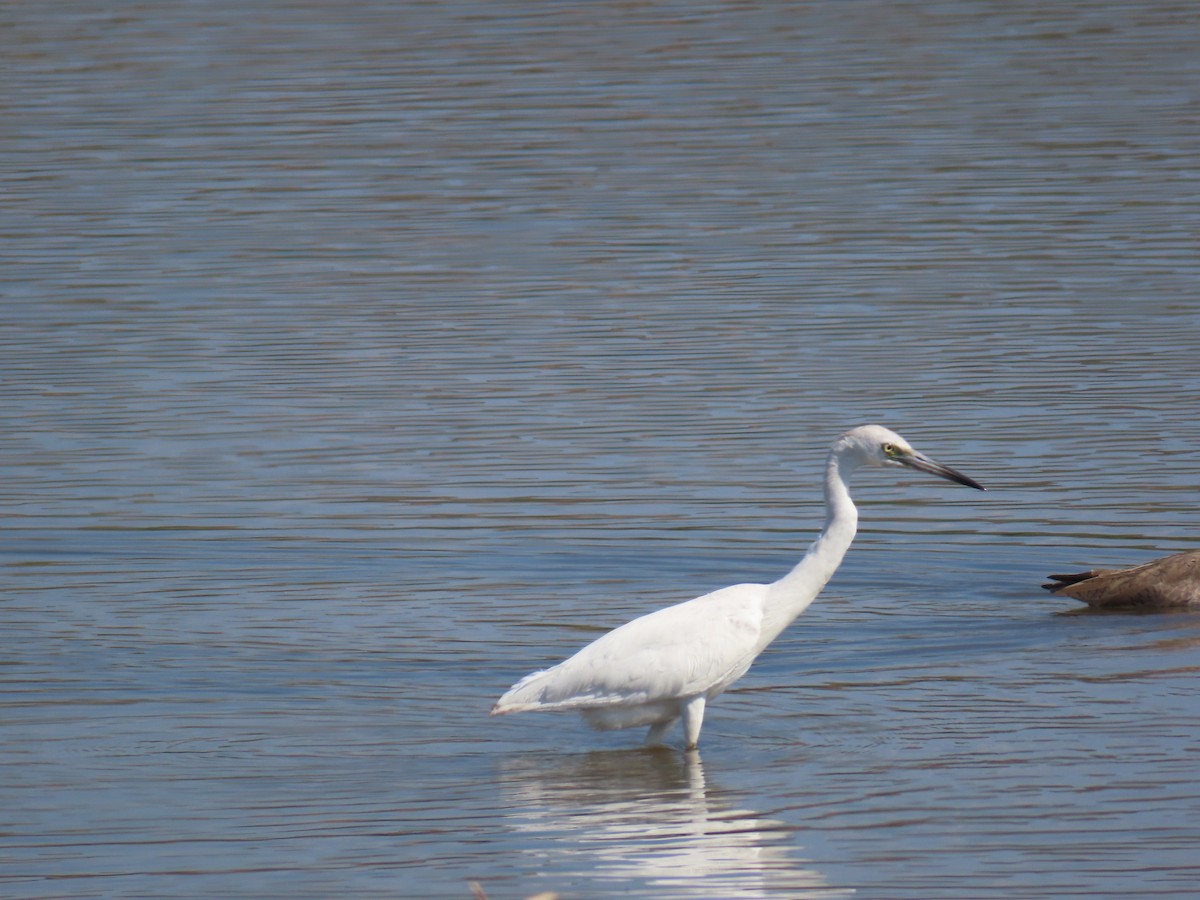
(358, 359)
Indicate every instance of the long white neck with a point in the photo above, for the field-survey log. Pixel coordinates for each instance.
(791, 594)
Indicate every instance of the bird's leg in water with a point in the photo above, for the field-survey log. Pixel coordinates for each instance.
(658, 732)
(693, 717)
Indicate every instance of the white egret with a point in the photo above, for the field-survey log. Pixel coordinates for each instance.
(668, 664)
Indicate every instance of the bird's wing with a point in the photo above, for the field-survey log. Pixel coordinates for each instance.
(676, 652)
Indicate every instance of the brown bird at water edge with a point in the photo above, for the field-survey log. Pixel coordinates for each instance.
(1170, 582)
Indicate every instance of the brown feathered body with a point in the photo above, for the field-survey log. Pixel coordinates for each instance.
(1172, 581)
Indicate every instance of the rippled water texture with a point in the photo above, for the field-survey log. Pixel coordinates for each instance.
(359, 358)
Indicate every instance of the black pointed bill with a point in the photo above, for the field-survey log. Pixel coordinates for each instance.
(925, 464)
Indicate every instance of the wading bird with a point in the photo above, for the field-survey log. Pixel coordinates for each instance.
(1172, 581)
(668, 664)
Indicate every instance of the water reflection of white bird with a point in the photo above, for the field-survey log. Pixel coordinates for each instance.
(619, 823)
(670, 663)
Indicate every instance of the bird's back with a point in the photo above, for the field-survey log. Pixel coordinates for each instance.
(697, 647)
(1172, 581)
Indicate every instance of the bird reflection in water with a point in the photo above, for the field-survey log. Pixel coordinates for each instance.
(622, 820)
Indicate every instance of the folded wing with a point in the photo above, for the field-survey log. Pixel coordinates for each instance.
(692, 648)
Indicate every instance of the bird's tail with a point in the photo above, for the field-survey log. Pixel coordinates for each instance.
(525, 695)
(1058, 582)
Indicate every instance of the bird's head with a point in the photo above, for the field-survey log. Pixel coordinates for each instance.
(874, 445)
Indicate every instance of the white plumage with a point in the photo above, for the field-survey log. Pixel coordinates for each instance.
(668, 664)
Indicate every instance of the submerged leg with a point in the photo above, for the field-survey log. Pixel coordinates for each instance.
(659, 731)
(693, 717)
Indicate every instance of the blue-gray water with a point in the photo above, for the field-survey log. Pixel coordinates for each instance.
(359, 358)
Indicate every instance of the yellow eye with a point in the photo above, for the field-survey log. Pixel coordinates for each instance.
(889, 449)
